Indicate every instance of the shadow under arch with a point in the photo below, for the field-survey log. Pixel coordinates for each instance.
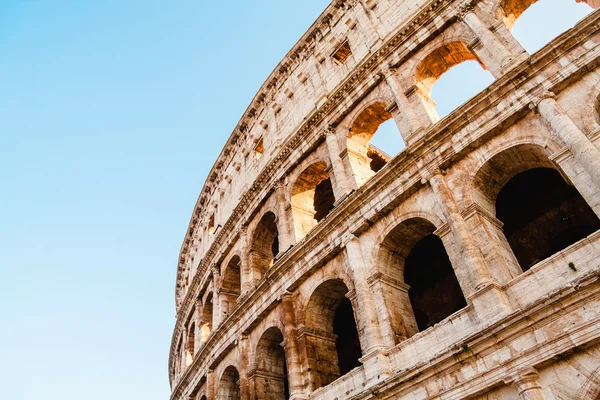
(541, 212)
(427, 290)
(330, 330)
(231, 285)
(229, 384)
(264, 246)
(270, 372)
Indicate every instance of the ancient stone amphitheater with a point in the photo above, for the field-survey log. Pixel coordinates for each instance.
(467, 266)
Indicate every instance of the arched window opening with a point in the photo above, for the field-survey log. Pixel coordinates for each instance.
(448, 77)
(230, 286)
(191, 341)
(410, 253)
(332, 334)
(347, 343)
(178, 355)
(207, 318)
(265, 245)
(542, 215)
(271, 380)
(373, 139)
(312, 198)
(434, 290)
(203, 397)
(535, 23)
(229, 386)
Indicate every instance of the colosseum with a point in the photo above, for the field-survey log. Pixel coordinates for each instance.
(467, 266)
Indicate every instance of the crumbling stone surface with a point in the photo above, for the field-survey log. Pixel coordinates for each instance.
(467, 266)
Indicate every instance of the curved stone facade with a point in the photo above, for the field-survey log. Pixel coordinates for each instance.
(465, 267)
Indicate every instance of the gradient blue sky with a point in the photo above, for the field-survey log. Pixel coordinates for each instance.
(111, 114)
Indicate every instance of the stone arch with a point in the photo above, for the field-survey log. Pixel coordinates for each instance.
(207, 317)
(423, 287)
(270, 368)
(330, 332)
(190, 346)
(365, 158)
(540, 211)
(229, 384)
(264, 246)
(231, 284)
(510, 10)
(436, 63)
(312, 197)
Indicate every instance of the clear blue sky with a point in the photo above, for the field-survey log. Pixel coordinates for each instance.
(111, 114)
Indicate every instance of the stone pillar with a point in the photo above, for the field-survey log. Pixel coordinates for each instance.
(216, 296)
(583, 150)
(397, 319)
(478, 271)
(408, 123)
(528, 385)
(343, 186)
(290, 346)
(211, 389)
(245, 260)
(244, 367)
(488, 40)
(183, 355)
(369, 321)
(487, 297)
(197, 327)
(287, 236)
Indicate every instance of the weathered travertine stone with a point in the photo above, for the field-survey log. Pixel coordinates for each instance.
(316, 266)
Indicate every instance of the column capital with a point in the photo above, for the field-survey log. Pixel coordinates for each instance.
(214, 268)
(535, 104)
(463, 10)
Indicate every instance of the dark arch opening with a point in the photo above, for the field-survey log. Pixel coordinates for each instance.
(434, 290)
(412, 254)
(347, 343)
(332, 334)
(231, 285)
(542, 215)
(265, 245)
(229, 386)
(271, 382)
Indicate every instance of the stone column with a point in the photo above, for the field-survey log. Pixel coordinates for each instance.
(528, 385)
(408, 123)
(287, 235)
(216, 296)
(290, 346)
(211, 390)
(244, 366)
(478, 271)
(583, 150)
(197, 326)
(184, 352)
(367, 312)
(485, 36)
(343, 185)
(244, 260)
